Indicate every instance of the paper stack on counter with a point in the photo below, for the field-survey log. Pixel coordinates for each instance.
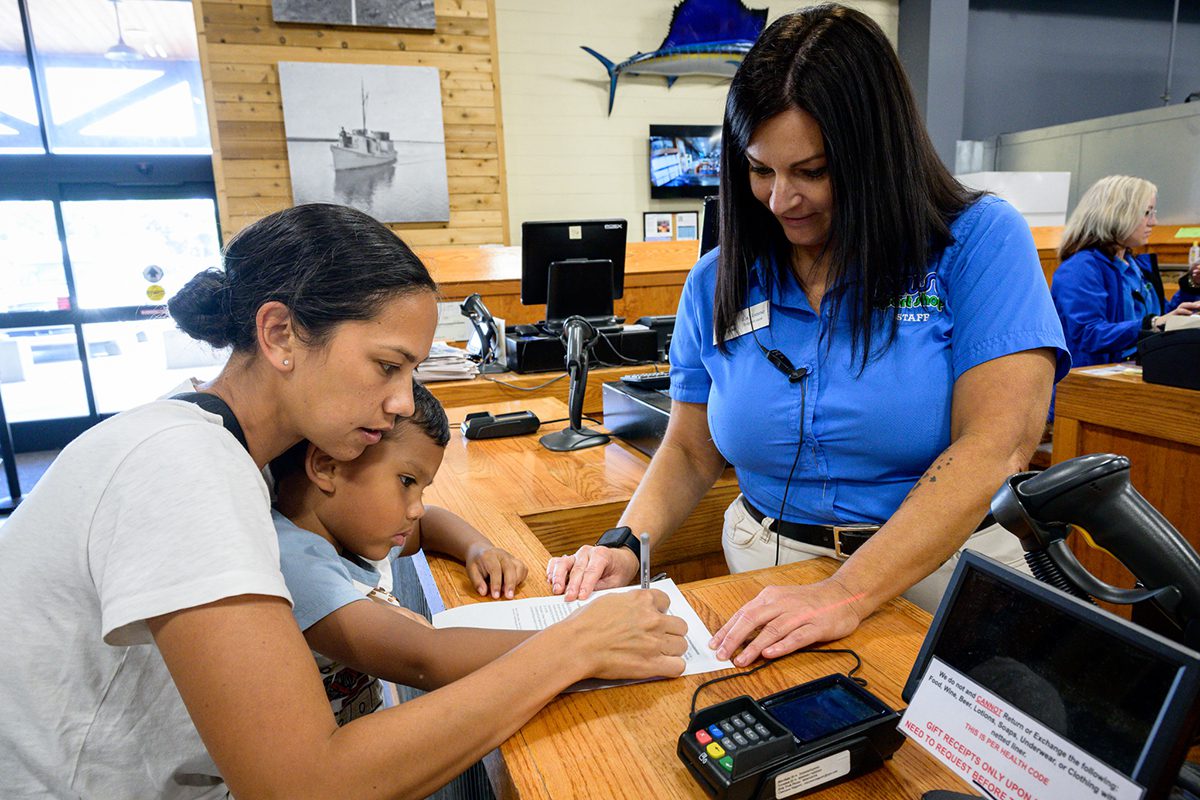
(1178, 322)
(445, 363)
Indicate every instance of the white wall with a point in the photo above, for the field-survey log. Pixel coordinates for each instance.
(565, 158)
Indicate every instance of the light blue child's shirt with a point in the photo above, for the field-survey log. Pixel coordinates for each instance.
(321, 581)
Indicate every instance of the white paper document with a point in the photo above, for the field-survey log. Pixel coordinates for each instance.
(538, 613)
(1001, 749)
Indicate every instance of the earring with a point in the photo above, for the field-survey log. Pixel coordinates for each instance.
(286, 362)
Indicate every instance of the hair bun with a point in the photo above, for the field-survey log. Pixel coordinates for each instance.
(201, 308)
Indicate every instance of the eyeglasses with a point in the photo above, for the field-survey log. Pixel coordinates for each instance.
(1151, 212)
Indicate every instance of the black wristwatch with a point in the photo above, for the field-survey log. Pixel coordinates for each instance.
(621, 537)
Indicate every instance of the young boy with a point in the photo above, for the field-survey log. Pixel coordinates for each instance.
(338, 524)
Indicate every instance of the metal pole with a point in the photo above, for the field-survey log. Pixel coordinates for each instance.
(1166, 95)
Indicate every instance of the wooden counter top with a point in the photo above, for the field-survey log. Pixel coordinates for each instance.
(654, 275)
(452, 266)
(1171, 251)
(621, 742)
(487, 392)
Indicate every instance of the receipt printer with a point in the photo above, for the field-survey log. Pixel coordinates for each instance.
(1171, 358)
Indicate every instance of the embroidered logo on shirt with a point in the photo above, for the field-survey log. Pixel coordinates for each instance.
(920, 300)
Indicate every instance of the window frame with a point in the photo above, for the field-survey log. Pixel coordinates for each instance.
(63, 178)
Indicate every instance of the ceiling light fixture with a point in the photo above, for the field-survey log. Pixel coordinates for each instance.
(121, 51)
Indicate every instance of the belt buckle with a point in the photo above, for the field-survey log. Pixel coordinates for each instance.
(837, 536)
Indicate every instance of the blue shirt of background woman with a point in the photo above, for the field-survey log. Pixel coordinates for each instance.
(1103, 303)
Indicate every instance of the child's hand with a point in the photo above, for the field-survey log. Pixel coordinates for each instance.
(494, 570)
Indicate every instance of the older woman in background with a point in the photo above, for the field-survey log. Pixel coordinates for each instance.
(1106, 296)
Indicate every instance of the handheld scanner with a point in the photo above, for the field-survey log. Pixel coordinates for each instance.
(1093, 493)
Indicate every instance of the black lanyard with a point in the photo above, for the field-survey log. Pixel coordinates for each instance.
(215, 405)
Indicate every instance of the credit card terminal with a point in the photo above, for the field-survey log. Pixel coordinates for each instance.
(791, 742)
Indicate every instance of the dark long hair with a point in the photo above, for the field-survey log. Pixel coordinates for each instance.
(328, 264)
(893, 199)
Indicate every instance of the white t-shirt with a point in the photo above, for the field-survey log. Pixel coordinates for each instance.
(152, 511)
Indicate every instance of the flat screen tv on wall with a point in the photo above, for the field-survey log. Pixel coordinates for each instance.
(685, 160)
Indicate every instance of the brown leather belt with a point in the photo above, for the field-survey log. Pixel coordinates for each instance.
(843, 540)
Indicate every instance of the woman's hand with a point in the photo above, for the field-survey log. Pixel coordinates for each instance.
(494, 570)
(1182, 310)
(788, 618)
(629, 635)
(589, 569)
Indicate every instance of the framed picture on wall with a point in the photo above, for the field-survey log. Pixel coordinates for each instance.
(415, 14)
(659, 226)
(687, 225)
(368, 136)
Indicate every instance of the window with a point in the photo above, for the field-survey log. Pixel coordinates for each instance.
(107, 208)
(130, 252)
(31, 265)
(119, 76)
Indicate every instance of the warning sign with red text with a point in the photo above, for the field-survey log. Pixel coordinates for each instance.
(999, 748)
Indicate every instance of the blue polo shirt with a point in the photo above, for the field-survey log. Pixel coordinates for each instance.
(1101, 302)
(869, 434)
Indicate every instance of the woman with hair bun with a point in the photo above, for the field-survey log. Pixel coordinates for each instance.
(150, 648)
(1106, 297)
(872, 347)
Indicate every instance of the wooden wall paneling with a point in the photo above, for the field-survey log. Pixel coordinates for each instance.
(240, 47)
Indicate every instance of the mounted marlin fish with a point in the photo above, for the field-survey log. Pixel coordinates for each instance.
(706, 37)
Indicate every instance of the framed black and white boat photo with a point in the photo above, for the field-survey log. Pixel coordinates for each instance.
(368, 136)
(414, 14)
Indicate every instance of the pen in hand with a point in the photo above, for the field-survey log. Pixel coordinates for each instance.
(645, 559)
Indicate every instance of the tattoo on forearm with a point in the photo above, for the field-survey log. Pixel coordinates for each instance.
(930, 476)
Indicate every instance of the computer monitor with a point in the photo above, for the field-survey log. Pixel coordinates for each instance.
(1123, 694)
(545, 243)
(685, 160)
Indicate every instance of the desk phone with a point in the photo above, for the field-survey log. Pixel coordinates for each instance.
(791, 742)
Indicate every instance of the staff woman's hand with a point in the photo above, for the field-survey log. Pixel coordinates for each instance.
(589, 569)
(787, 618)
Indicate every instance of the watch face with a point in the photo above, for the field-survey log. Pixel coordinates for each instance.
(620, 537)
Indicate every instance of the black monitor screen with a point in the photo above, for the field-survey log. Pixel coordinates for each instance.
(1096, 680)
(685, 160)
(543, 243)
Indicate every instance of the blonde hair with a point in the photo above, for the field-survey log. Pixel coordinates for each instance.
(1108, 214)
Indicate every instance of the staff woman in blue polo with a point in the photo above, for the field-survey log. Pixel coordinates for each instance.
(873, 346)
(1107, 297)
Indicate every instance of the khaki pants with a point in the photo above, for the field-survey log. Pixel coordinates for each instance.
(750, 545)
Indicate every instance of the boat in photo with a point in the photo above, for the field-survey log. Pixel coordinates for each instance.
(362, 147)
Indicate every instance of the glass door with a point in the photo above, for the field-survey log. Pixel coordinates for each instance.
(107, 208)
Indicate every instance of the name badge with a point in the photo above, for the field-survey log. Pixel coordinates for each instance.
(754, 318)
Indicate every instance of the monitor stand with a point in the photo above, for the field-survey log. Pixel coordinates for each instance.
(573, 439)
